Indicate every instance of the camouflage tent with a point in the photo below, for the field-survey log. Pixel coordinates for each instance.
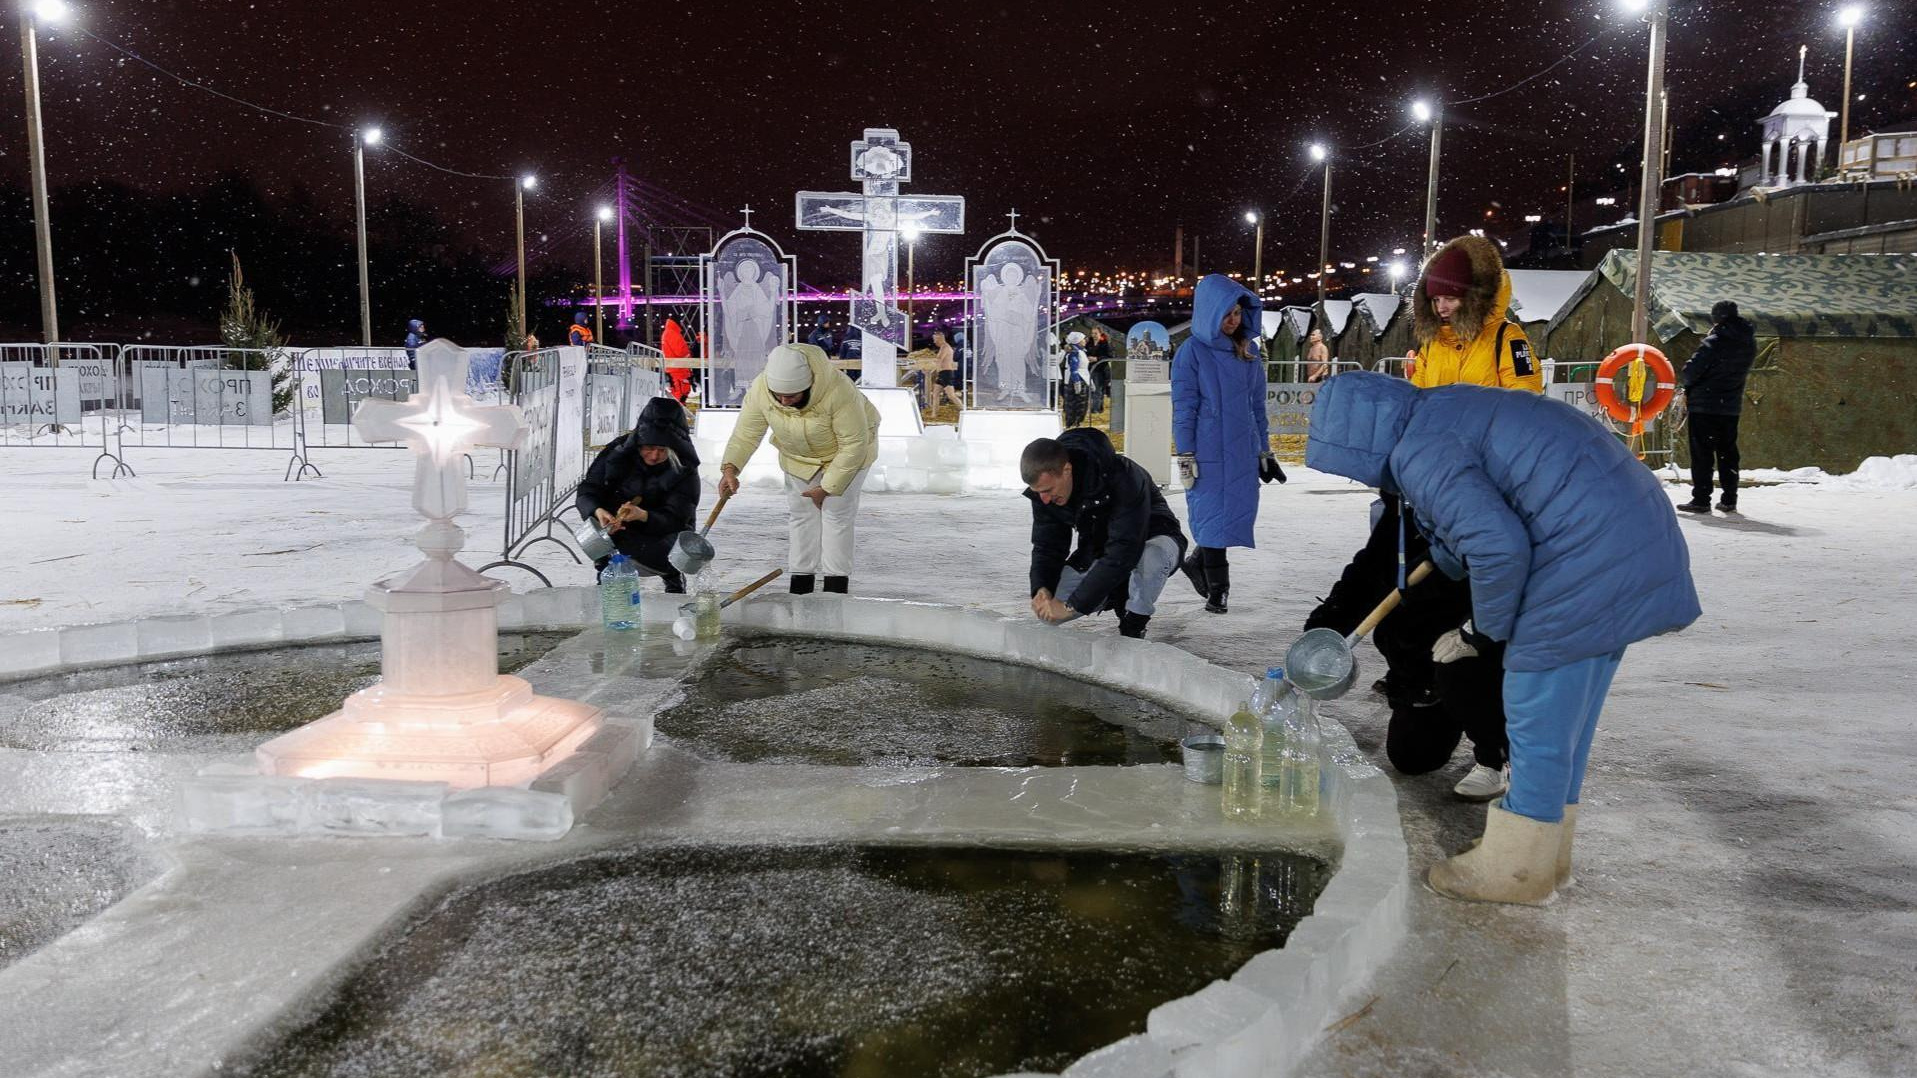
(1287, 344)
(1836, 373)
(1539, 296)
(1372, 316)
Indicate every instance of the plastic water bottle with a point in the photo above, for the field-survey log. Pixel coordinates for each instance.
(619, 594)
(1303, 753)
(1267, 702)
(1244, 746)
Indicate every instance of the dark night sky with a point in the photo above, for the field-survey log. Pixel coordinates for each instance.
(1104, 123)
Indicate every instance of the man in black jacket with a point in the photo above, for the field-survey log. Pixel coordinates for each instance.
(1129, 542)
(1714, 390)
(644, 489)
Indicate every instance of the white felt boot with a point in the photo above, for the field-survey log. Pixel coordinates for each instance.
(1516, 862)
(1565, 878)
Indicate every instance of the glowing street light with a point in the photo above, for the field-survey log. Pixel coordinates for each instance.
(1253, 217)
(525, 184)
(362, 138)
(48, 12)
(1425, 112)
(1848, 18)
(1650, 181)
(599, 218)
(911, 230)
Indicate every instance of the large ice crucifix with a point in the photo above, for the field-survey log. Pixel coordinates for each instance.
(881, 162)
(439, 424)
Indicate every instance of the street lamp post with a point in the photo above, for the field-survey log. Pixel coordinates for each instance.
(598, 292)
(911, 234)
(1434, 114)
(362, 139)
(30, 16)
(1319, 153)
(1253, 217)
(525, 184)
(1650, 182)
(1848, 19)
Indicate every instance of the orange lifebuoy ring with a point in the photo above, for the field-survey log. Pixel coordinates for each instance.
(1638, 410)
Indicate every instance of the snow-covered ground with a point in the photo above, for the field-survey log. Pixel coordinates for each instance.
(1746, 900)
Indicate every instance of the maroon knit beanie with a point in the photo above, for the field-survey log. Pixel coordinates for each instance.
(1449, 274)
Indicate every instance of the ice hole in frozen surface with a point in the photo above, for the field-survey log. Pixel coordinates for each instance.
(825, 960)
(57, 872)
(796, 699)
(223, 702)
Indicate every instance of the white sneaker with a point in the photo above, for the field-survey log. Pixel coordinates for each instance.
(1482, 784)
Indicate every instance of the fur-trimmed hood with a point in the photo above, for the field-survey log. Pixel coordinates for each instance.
(1485, 302)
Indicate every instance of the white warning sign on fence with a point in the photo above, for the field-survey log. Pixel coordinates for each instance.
(31, 395)
(1579, 395)
(207, 396)
(569, 443)
(1288, 406)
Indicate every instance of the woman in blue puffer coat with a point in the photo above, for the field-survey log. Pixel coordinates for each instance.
(1220, 430)
(1574, 553)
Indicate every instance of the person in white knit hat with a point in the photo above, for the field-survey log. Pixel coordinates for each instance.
(826, 433)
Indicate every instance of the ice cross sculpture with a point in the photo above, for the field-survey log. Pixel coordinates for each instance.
(439, 424)
(880, 162)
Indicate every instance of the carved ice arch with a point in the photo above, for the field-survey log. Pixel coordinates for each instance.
(1011, 323)
(747, 282)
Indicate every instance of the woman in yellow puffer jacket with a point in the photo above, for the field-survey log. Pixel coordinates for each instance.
(826, 432)
(1458, 311)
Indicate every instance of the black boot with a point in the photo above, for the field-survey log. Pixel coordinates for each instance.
(1194, 568)
(1218, 576)
(801, 583)
(837, 585)
(675, 583)
(1133, 625)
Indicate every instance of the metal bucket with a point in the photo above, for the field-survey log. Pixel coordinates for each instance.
(691, 553)
(1204, 758)
(1321, 664)
(593, 540)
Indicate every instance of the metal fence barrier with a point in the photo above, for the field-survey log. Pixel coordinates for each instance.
(534, 490)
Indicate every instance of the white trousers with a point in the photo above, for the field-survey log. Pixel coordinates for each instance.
(821, 539)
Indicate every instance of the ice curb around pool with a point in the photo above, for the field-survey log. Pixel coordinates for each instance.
(1261, 1021)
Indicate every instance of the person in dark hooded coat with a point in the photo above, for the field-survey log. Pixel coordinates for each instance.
(1102, 536)
(1220, 429)
(1574, 554)
(644, 489)
(1714, 393)
(415, 339)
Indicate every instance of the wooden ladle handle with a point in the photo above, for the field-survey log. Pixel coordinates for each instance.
(1390, 602)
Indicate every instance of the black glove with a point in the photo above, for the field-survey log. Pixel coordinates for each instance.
(1269, 469)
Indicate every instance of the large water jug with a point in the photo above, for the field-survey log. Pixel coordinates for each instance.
(619, 594)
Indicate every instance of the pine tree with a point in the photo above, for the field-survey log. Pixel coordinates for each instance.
(242, 326)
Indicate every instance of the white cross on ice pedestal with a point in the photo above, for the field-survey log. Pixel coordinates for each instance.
(440, 423)
(880, 162)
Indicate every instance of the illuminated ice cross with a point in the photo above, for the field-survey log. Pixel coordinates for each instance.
(439, 423)
(881, 162)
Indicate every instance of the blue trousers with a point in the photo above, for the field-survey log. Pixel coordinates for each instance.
(1550, 717)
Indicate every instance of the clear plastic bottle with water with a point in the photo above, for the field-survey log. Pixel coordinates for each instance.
(619, 594)
(1267, 702)
(1303, 756)
(1244, 749)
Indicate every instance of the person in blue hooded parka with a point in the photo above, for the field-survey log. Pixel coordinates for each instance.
(1220, 430)
(1574, 553)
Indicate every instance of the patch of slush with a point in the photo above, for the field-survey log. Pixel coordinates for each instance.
(55, 873)
(798, 700)
(209, 703)
(809, 961)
